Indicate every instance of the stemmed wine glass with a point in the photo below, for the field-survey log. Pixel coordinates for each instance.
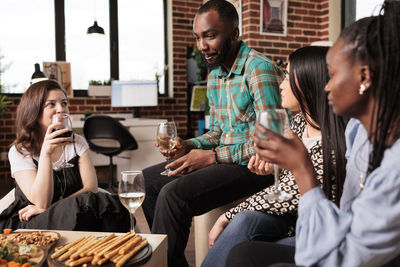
(277, 121)
(65, 120)
(131, 192)
(166, 138)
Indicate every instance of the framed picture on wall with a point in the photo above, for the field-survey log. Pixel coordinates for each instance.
(238, 6)
(273, 17)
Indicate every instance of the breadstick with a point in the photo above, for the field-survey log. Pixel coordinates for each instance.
(116, 258)
(80, 261)
(130, 244)
(101, 261)
(99, 244)
(115, 244)
(68, 262)
(96, 259)
(89, 243)
(116, 249)
(65, 248)
(97, 249)
(72, 250)
(126, 257)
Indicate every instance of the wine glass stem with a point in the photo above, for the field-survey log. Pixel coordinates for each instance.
(64, 157)
(276, 176)
(132, 222)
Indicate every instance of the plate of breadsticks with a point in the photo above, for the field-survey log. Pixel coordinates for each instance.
(110, 250)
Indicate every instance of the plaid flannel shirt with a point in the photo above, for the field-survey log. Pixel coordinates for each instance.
(252, 85)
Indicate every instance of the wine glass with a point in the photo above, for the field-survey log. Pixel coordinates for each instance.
(65, 120)
(277, 121)
(166, 138)
(131, 192)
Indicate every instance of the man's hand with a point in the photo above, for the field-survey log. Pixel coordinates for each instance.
(217, 229)
(259, 166)
(182, 147)
(194, 160)
(31, 210)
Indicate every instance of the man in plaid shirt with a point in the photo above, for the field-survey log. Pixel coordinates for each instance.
(210, 170)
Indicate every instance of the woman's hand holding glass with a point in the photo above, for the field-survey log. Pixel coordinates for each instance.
(62, 121)
(289, 153)
(275, 120)
(52, 140)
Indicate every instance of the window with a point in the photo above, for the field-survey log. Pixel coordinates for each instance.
(357, 9)
(31, 39)
(26, 37)
(366, 8)
(89, 55)
(141, 40)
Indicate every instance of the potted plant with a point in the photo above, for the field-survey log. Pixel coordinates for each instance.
(99, 88)
(87, 113)
(3, 105)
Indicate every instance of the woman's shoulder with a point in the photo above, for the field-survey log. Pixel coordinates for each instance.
(80, 143)
(14, 152)
(298, 124)
(79, 138)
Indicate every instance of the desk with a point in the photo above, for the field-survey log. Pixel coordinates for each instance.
(158, 243)
(145, 133)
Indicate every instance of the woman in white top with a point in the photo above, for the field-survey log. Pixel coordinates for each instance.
(48, 196)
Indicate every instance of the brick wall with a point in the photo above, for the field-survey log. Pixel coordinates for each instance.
(307, 22)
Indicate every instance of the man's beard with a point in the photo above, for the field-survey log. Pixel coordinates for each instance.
(226, 47)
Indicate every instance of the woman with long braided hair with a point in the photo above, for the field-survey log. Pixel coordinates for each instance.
(364, 66)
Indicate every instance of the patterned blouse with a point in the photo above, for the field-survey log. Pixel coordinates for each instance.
(287, 182)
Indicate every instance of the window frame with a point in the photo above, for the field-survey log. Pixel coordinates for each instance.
(60, 49)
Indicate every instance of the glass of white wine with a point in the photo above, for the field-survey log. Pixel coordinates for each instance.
(131, 192)
(277, 121)
(65, 120)
(166, 138)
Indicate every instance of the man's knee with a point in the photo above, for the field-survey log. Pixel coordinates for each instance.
(167, 194)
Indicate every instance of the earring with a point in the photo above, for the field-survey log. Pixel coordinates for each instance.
(362, 89)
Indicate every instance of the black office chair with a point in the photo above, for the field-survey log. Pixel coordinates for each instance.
(106, 127)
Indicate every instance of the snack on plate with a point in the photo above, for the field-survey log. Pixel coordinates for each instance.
(12, 254)
(117, 249)
(37, 238)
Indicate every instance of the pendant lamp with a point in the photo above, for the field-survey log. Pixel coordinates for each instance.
(95, 29)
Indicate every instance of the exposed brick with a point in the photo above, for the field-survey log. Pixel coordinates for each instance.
(75, 101)
(280, 45)
(294, 31)
(300, 11)
(94, 102)
(307, 5)
(294, 45)
(301, 39)
(309, 32)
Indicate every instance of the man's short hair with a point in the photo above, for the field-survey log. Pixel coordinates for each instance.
(225, 10)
